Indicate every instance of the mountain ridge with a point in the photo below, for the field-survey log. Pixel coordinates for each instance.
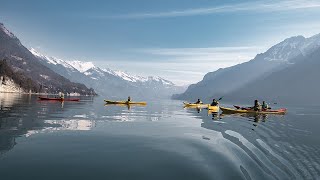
(22, 61)
(227, 80)
(85, 66)
(118, 83)
(296, 84)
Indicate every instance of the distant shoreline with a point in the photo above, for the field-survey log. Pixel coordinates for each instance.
(40, 94)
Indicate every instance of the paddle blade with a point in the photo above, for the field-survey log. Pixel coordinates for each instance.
(238, 107)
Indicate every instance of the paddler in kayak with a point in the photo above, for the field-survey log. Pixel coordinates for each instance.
(257, 106)
(61, 95)
(198, 102)
(129, 98)
(214, 103)
(265, 106)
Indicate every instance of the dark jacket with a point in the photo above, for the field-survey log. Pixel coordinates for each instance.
(214, 103)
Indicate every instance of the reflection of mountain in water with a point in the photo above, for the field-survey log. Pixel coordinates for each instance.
(7, 100)
(6, 143)
(24, 115)
(62, 125)
(21, 115)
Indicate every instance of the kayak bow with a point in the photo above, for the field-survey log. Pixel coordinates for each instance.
(193, 105)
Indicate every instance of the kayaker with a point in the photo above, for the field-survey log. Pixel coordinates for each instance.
(61, 95)
(264, 105)
(129, 98)
(257, 106)
(214, 103)
(198, 102)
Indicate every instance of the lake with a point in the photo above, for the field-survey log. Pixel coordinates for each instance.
(88, 140)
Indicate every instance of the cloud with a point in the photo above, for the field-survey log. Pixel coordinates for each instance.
(204, 55)
(188, 65)
(184, 72)
(260, 6)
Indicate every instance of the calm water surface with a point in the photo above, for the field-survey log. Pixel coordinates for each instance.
(87, 140)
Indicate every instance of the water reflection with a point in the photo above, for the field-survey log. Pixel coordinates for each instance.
(23, 115)
(210, 144)
(215, 115)
(195, 109)
(252, 117)
(55, 103)
(7, 100)
(62, 125)
(128, 106)
(270, 141)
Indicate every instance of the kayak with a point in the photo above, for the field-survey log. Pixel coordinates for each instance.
(213, 108)
(124, 105)
(58, 99)
(268, 111)
(194, 105)
(124, 102)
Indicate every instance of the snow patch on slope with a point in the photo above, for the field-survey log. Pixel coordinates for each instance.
(81, 66)
(128, 77)
(44, 76)
(311, 44)
(51, 60)
(292, 47)
(285, 50)
(37, 54)
(5, 30)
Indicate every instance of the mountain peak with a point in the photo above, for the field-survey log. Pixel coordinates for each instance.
(89, 69)
(81, 66)
(285, 50)
(293, 42)
(6, 31)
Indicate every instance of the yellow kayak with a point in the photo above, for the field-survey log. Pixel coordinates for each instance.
(125, 102)
(193, 105)
(213, 108)
(124, 105)
(231, 110)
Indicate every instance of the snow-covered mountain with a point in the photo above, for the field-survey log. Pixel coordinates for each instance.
(295, 85)
(293, 47)
(25, 71)
(88, 67)
(107, 81)
(280, 56)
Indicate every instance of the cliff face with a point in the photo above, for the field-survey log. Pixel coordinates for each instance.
(9, 86)
(11, 81)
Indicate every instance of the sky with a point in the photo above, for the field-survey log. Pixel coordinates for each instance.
(180, 40)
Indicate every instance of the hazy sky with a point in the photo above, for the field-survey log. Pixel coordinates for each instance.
(180, 40)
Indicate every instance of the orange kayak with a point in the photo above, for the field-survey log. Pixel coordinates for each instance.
(268, 111)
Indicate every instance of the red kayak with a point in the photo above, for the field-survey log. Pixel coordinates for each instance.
(58, 99)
